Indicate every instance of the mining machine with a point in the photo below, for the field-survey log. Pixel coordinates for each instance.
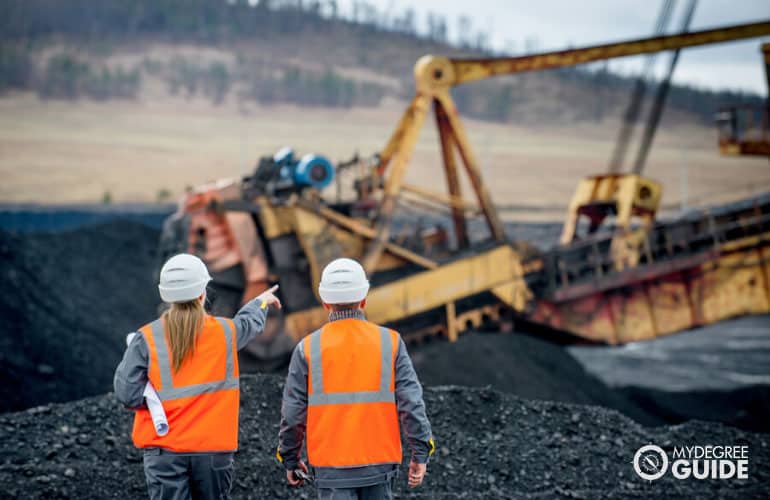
(617, 275)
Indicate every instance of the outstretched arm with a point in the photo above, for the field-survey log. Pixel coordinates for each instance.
(251, 318)
(293, 411)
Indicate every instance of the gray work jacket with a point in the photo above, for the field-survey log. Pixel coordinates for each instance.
(131, 374)
(411, 411)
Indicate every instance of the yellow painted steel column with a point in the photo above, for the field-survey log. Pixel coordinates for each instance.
(411, 124)
(471, 165)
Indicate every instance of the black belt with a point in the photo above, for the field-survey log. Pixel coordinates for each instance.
(355, 482)
(163, 451)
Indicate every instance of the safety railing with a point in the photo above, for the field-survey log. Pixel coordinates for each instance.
(591, 259)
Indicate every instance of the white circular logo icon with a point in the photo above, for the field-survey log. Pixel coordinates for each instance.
(650, 462)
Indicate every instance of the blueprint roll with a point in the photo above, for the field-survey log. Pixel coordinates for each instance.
(157, 413)
(156, 410)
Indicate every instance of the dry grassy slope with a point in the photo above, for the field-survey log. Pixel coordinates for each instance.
(76, 151)
(56, 151)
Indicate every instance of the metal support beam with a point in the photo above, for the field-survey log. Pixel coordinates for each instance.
(460, 138)
(366, 232)
(450, 166)
(441, 199)
(451, 322)
(405, 138)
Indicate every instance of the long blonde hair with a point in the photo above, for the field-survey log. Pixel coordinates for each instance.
(184, 322)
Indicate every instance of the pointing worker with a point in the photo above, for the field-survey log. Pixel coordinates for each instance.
(191, 360)
(348, 384)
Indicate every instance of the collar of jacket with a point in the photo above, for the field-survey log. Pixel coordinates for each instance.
(347, 314)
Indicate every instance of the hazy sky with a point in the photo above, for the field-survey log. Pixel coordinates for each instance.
(556, 24)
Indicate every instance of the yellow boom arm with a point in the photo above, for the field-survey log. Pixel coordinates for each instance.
(435, 75)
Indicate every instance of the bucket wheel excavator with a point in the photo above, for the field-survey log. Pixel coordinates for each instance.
(632, 280)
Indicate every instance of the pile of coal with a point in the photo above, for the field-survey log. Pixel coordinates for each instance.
(532, 367)
(523, 365)
(489, 445)
(67, 303)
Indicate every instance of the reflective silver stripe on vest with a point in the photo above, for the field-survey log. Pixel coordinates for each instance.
(229, 370)
(169, 391)
(317, 376)
(386, 351)
(198, 389)
(164, 363)
(384, 395)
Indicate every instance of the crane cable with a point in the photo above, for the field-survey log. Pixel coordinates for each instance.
(660, 98)
(640, 88)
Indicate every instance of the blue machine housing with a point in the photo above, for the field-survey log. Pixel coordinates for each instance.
(288, 173)
(314, 171)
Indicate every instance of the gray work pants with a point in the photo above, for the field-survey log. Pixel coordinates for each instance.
(172, 476)
(379, 491)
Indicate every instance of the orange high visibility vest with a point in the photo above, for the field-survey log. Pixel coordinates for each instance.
(352, 418)
(201, 399)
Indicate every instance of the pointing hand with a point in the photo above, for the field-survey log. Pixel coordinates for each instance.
(268, 297)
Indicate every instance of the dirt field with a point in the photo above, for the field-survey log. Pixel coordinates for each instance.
(61, 152)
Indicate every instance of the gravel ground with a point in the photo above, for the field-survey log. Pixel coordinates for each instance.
(734, 353)
(718, 372)
(489, 445)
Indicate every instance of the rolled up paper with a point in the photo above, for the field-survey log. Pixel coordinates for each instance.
(157, 413)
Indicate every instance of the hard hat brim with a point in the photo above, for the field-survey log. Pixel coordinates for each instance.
(183, 294)
(344, 296)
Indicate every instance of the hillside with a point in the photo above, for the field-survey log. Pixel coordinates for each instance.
(150, 150)
(288, 52)
(136, 101)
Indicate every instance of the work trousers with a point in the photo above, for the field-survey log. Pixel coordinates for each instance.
(379, 491)
(173, 476)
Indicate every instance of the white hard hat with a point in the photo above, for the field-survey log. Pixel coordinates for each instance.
(183, 278)
(343, 281)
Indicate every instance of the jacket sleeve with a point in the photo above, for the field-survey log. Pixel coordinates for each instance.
(250, 322)
(293, 411)
(131, 374)
(411, 407)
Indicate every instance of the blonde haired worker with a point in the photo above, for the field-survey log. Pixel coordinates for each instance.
(191, 360)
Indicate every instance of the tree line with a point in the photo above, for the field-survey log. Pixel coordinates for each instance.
(214, 20)
(28, 25)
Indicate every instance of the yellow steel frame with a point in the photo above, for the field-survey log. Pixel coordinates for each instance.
(436, 75)
(735, 281)
(629, 194)
(498, 270)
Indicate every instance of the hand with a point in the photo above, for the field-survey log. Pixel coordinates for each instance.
(268, 297)
(416, 474)
(292, 479)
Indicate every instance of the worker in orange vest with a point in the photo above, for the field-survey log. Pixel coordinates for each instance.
(348, 384)
(191, 360)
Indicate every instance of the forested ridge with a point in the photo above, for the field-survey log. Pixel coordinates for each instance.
(293, 51)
